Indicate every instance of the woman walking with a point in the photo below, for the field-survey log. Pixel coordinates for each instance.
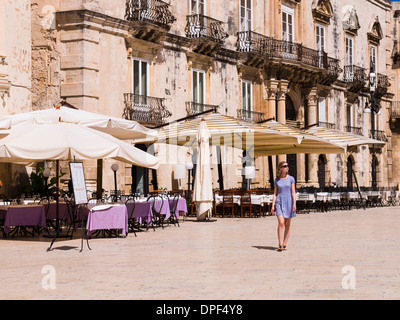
(284, 203)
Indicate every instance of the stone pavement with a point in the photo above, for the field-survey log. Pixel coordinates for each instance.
(335, 255)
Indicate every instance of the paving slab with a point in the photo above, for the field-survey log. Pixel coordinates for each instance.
(333, 255)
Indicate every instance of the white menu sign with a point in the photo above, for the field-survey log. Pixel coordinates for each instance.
(78, 182)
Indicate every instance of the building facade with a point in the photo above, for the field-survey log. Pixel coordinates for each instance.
(15, 78)
(301, 62)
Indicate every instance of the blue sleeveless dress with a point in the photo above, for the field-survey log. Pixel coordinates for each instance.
(284, 201)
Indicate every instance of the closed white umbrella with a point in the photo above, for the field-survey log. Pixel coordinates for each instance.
(202, 191)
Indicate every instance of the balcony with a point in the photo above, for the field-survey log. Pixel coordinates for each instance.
(355, 130)
(382, 85)
(395, 111)
(379, 135)
(150, 20)
(257, 49)
(193, 108)
(146, 110)
(355, 77)
(249, 115)
(327, 125)
(206, 34)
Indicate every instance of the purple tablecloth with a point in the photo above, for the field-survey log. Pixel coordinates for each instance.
(62, 211)
(143, 209)
(181, 206)
(32, 215)
(114, 217)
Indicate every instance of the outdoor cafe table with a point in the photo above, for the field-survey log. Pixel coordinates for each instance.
(22, 215)
(108, 216)
(255, 199)
(62, 211)
(143, 208)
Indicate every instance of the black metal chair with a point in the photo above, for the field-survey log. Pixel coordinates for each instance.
(130, 206)
(45, 202)
(172, 206)
(158, 218)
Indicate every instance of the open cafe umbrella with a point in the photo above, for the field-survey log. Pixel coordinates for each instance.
(202, 191)
(119, 128)
(67, 141)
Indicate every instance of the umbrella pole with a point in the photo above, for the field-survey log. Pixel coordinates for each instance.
(57, 200)
(57, 234)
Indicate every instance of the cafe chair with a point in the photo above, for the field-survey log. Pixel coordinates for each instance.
(227, 203)
(45, 202)
(173, 204)
(156, 207)
(246, 205)
(130, 206)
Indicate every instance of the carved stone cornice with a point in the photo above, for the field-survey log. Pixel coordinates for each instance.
(322, 12)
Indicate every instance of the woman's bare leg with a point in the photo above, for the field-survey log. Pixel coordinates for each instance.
(281, 225)
(287, 231)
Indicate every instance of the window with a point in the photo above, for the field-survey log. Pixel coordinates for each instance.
(287, 32)
(198, 90)
(372, 57)
(247, 99)
(197, 7)
(350, 116)
(349, 50)
(140, 77)
(245, 15)
(348, 70)
(287, 23)
(321, 110)
(320, 37)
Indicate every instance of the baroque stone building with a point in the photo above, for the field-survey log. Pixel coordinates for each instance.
(300, 62)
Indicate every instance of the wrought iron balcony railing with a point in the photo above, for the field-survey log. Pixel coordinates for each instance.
(249, 115)
(253, 42)
(201, 26)
(353, 73)
(195, 107)
(355, 130)
(327, 125)
(145, 109)
(249, 41)
(379, 135)
(382, 81)
(155, 12)
(395, 111)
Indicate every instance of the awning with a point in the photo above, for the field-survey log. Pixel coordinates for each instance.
(224, 130)
(257, 139)
(344, 139)
(309, 143)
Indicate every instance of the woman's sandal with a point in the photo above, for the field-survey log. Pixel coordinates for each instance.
(280, 248)
(284, 247)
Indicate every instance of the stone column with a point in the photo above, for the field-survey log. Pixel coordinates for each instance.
(312, 100)
(281, 116)
(272, 88)
(281, 96)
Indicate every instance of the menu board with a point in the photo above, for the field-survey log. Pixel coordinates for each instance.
(78, 182)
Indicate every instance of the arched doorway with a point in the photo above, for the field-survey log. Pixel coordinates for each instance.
(350, 168)
(322, 171)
